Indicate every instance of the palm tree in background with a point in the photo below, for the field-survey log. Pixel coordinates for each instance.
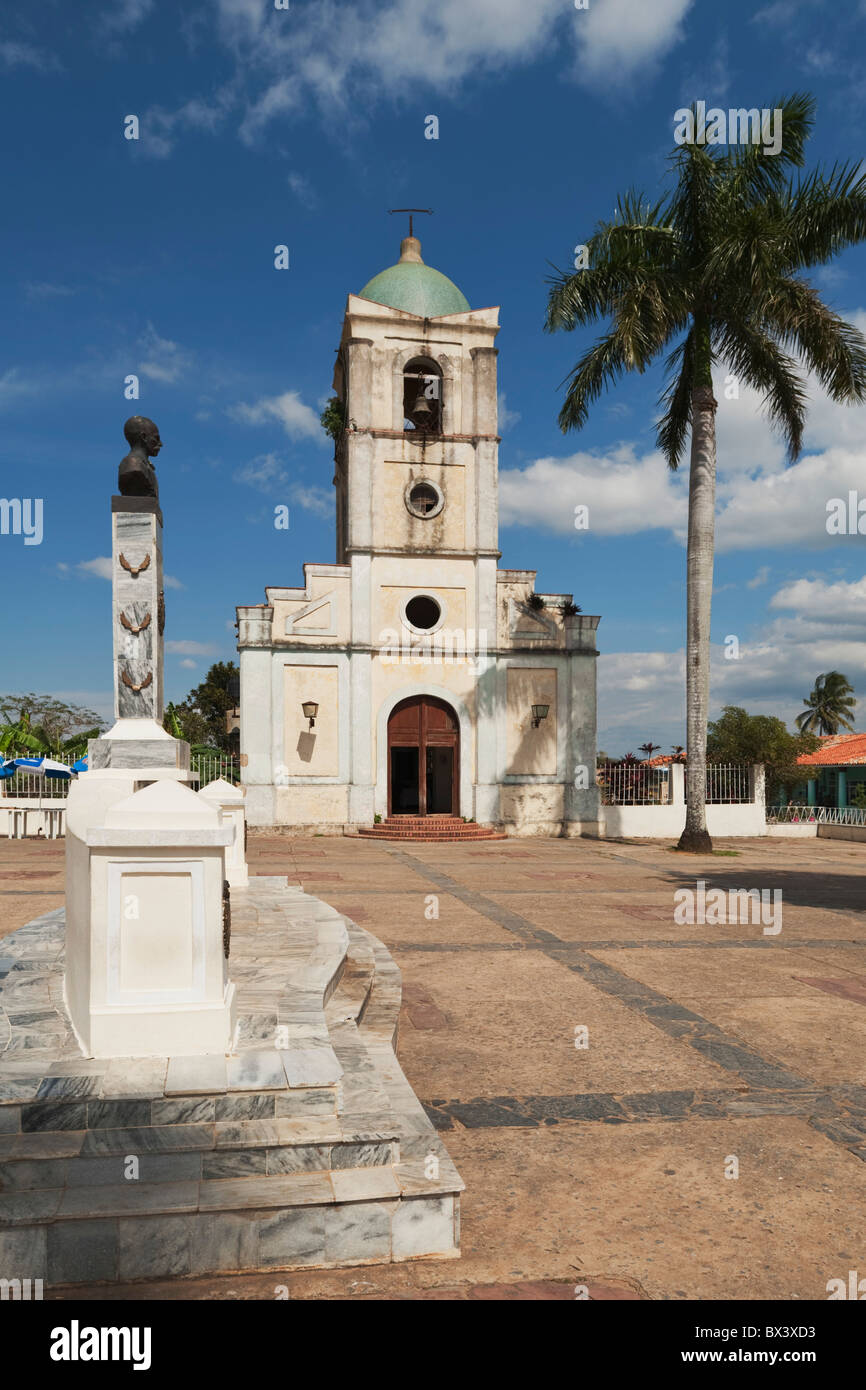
(648, 748)
(829, 705)
(715, 268)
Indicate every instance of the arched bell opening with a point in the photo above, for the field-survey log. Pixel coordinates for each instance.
(422, 396)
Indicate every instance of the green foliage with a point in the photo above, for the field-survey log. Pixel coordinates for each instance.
(42, 724)
(739, 737)
(857, 796)
(333, 417)
(536, 602)
(829, 706)
(201, 718)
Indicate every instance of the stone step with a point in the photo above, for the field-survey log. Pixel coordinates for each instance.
(241, 1156)
(154, 1168)
(375, 833)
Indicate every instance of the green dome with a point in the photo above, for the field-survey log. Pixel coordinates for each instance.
(415, 287)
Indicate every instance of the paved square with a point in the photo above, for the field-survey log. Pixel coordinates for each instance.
(604, 1165)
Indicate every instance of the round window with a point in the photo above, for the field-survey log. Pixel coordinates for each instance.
(424, 499)
(423, 612)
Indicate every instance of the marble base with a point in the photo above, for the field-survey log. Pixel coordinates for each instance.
(304, 1148)
(192, 1029)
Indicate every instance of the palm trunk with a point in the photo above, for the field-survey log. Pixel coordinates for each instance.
(702, 502)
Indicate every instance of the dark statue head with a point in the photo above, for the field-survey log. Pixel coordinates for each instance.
(137, 476)
(143, 433)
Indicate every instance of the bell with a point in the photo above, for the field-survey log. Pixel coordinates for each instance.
(421, 411)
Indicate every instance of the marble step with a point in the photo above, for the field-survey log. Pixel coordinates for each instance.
(22, 1172)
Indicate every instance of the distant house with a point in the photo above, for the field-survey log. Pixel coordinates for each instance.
(834, 770)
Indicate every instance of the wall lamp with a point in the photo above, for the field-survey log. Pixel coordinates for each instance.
(539, 712)
(311, 709)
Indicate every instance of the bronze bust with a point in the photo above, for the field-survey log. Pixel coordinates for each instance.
(136, 476)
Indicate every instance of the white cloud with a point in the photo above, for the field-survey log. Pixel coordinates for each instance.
(40, 289)
(760, 578)
(189, 664)
(188, 648)
(303, 191)
(617, 37)
(346, 57)
(13, 385)
(297, 419)
(761, 501)
(828, 602)
(171, 583)
(624, 493)
(100, 566)
(165, 360)
(507, 417)
(642, 694)
(265, 473)
(24, 55)
(318, 500)
(124, 16)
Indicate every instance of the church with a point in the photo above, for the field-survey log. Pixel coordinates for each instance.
(413, 686)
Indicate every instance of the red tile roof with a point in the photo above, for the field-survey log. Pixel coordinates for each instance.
(837, 750)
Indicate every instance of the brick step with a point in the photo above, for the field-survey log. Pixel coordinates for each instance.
(387, 833)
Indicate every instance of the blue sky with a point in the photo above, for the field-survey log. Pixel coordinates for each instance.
(303, 127)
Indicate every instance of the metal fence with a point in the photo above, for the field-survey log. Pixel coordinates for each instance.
(728, 783)
(816, 815)
(646, 784)
(32, 784)
(633, 784)
(212, 766)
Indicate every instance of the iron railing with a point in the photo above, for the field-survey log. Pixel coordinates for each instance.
(728, 783)
(633, 784)
(33, 784)
(816, 815)
(211, 766)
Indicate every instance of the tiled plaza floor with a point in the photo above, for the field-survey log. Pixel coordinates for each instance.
(604, 1165)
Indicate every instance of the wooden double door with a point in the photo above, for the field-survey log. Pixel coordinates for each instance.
(423, 758)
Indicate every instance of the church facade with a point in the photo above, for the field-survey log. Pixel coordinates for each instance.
(414, 677)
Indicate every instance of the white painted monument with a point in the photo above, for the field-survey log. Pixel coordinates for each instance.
(230, 801)
(147, 902)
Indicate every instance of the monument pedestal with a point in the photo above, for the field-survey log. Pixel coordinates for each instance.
(230, 802)
(148, 924)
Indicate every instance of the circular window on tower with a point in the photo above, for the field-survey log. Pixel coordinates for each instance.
(422, 613)
(424, 499)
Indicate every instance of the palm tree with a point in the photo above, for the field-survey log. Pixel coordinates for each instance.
(649, 748)
(678, 751)
(829, 705)
(714, 267)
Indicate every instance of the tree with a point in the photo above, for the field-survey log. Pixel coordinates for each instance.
(716, 264)
(829, 705)
(43, 724)
(739, 737)
(202, 715)
(648, 748)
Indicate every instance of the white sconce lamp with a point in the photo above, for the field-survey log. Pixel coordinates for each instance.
(539, 712)
(311, 709)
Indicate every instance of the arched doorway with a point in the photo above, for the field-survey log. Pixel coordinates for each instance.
(423, 758)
